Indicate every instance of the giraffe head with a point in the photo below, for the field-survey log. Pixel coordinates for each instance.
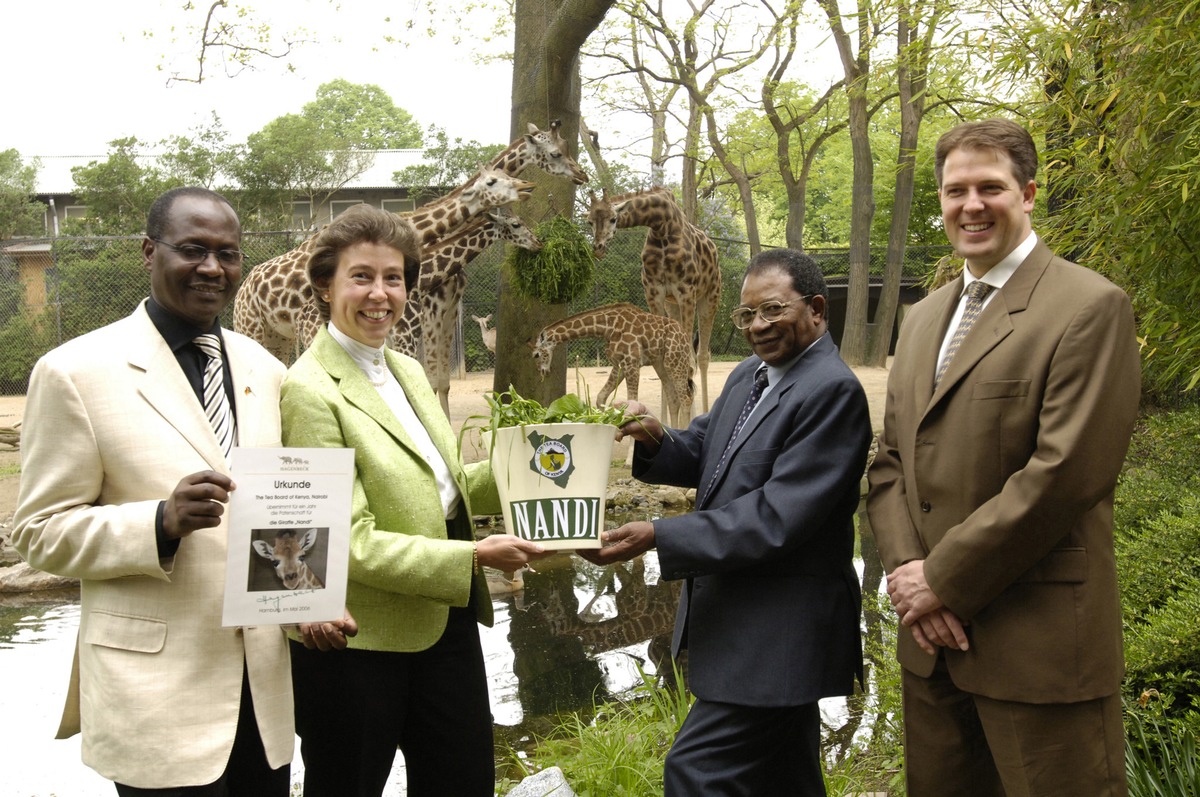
(603, 216)
(493, 188)
(542, 349)
(512, 228)
(548, 151)
(287, 555)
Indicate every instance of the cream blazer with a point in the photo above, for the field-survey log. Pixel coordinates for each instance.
(111, 425)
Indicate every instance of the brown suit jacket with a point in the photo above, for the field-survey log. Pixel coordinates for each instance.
(1002, 479)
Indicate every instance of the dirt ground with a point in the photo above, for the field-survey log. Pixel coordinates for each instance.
(466, 400)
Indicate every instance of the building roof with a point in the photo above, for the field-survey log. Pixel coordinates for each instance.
(54, 172)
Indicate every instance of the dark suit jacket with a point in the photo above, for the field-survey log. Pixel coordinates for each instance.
(771, 613)
(1002, 479)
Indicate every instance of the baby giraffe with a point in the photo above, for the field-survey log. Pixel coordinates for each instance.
(287, 556)
(635, 338)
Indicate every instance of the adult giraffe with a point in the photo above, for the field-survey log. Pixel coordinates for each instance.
(680, 273)
(273, 297)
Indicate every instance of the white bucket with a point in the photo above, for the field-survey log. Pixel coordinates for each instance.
(553, 481)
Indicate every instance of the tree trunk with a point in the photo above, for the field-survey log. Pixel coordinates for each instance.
(857, 69)
(547, 38)
(862, 211)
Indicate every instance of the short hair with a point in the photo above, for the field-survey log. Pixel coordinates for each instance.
(1004, 135)
(160, 209)
(362, 224)
(806, 276)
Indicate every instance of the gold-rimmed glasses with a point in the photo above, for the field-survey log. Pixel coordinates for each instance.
(770, 312)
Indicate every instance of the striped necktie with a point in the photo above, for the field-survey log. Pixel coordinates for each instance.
(976, 294)
(216, 402)
(760, 384)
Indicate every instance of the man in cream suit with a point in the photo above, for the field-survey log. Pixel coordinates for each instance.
(123, 486)
(991, 496)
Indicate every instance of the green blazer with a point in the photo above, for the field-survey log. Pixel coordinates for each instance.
(404, 572)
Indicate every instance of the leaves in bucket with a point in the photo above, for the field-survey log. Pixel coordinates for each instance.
(511, 409)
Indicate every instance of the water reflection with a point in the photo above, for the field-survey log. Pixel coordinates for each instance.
(575, 634)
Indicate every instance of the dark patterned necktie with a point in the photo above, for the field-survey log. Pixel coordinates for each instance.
(760, 384)
(216, 402)
(976, 294)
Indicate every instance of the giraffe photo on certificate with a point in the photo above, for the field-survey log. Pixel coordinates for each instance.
(289, 535)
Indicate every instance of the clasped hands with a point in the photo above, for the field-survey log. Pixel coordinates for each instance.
(931, 623)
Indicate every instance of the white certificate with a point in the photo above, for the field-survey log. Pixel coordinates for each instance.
(289, 535)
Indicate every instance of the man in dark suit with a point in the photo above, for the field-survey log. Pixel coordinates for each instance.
(770, 616)
(992, 493)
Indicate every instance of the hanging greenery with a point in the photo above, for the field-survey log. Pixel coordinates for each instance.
(560, 271)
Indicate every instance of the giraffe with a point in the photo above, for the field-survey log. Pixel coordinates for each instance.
(272, 301)
(680, 272)
(635, 338)
(441, 284)
(287, 556)
(488, 334)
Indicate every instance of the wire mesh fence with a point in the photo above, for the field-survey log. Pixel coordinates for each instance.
(54, 289)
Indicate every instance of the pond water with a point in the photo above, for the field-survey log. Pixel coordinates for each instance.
(573, 633)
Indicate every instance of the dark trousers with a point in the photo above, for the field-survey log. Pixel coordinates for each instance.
(355, 707)
(246, 775)
(959, 743)
(744, 751)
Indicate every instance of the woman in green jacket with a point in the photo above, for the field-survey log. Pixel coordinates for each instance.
(414, 676)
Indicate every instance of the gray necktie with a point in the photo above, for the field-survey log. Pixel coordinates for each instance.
(760, 384)
(976, 294)
(216, 402)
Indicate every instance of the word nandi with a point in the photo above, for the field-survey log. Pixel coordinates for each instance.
(634, 338)
(287, 557)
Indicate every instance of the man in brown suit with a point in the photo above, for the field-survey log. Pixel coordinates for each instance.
(991, 497)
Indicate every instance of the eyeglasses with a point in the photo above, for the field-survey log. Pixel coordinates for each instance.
(193, 254)
(770, 312)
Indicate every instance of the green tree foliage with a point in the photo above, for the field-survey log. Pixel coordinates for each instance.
(1122, 124)
(203, 159)
(312, 154)
(362, 116)
(20, 214)
(117, 191)
(1157, 517)
(446, 164)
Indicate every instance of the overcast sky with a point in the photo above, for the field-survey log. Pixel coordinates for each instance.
(80, 73)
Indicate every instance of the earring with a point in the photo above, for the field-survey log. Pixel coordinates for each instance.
(325, 297)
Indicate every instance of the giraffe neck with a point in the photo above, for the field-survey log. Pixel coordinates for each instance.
(471, 240)
(433, 220)
(601, 322)
(650, 209)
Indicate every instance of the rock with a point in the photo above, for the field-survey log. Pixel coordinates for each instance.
(547, 783)
(672, 497)
(23, 578)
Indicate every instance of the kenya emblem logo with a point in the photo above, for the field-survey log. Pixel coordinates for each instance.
(552, 457)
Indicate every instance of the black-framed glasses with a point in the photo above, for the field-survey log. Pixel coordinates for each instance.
(193, 254)
(770, 312)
